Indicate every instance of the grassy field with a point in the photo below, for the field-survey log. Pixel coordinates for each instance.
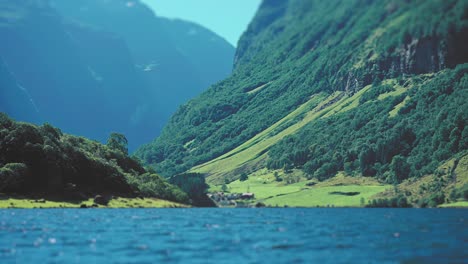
(324, 196)
(327, 193)
(463, 204)
(252, 151)
(252, 148)
(397, 107)
(20, 202)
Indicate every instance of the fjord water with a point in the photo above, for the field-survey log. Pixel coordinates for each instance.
(234, 236)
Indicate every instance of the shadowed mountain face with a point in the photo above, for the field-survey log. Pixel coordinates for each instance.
(327, 86)
(93, 67)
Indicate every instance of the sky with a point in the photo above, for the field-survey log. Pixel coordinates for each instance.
(227, 18)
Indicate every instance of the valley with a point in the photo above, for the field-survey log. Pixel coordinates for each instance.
(323, 103)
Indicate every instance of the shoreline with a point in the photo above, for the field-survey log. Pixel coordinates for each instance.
(146, 203)
(22, 202)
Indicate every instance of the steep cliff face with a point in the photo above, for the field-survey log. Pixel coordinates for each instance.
(13, 94)
(93, 67)
(55, 63)
(174, 64)
(299, 60)
(194, 42)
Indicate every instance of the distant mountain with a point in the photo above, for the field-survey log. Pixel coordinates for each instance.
(93, 67)
(371, 88)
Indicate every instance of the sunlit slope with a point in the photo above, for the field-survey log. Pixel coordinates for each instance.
(245, 157)
(341, 191)
(299, 49)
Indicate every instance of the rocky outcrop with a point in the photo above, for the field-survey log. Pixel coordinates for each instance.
(426, 55)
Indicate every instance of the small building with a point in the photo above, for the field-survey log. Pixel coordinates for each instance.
(247, 196)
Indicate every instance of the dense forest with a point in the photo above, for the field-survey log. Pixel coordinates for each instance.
(41, 160)
(429, 128)
(396, 69)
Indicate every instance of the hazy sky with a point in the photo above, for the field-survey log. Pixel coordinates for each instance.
(228, 18)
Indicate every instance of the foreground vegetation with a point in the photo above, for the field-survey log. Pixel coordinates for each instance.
(118, 202)
(41, 161)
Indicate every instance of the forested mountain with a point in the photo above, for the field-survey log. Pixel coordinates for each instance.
(372, 88)
(93, 67)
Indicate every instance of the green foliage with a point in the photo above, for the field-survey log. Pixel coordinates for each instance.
(194, 185)
(41, 159)
(302, 48)
(153, 185)
(224, 188)
(433, 200)
(374, 93)
(118, 142)
(277, 177)
(400, 202)
(459, 193)
(366, 141)
(400, 169)
(244, 177)
(13, 176)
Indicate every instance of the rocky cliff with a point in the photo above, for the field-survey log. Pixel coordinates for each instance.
(93, 67)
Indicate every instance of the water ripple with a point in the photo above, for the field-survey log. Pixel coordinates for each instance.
(233, 236)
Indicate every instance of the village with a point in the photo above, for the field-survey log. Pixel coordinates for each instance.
(222, 199)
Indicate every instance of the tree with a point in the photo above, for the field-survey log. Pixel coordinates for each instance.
(400, 168)
(224, 188)
(244, 176)
(277, 177)
(118, 142)
(12, 176)
(367, 160)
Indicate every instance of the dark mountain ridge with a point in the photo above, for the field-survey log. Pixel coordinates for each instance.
(106, 65)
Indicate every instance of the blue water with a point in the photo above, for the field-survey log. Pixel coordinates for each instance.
(234, 236)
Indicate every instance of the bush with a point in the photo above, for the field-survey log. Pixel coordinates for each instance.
(13, 176)
(244, 177)
(193, 184)
(459, 193)
(432, 201)
(153, 185)
(395, 202)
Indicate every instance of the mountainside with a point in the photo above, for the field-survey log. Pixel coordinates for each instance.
(106, 65)
(371, 88)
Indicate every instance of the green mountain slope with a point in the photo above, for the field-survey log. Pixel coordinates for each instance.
(372, 88)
